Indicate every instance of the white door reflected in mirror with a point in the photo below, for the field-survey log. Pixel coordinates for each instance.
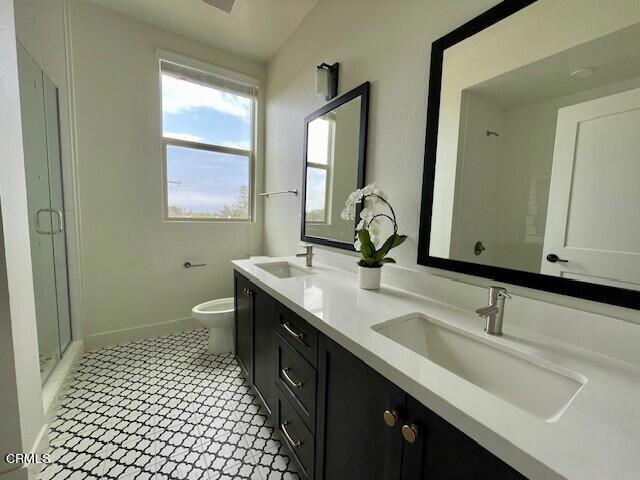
(593, 230)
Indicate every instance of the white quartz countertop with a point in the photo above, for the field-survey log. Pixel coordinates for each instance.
(597, 436)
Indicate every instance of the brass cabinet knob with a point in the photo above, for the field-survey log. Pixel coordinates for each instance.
(410, 433)
(390, 418)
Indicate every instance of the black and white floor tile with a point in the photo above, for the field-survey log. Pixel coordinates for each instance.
(163, 409)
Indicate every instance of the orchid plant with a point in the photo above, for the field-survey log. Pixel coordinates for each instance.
(368, 228)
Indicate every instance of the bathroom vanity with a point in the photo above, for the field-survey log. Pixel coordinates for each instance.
(394, 385)
(337, 416)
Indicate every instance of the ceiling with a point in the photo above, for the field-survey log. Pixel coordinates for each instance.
(613, 57)
(255, 29)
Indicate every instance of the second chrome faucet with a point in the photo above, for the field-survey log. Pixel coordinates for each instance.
(494, 311)
(308, 253)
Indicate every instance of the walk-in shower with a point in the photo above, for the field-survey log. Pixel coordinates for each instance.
(43, 167)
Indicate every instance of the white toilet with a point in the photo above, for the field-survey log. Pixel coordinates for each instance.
(217, 316)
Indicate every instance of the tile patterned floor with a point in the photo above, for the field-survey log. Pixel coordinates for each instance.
(163, 409)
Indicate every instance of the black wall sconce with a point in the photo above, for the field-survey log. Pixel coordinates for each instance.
(327, 80)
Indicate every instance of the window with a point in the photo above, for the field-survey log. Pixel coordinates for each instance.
(208, 140)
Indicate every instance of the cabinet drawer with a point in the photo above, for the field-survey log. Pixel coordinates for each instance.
(297, 438)
(299, 333)
(296, 379)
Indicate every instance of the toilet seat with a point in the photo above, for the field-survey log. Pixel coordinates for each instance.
(215, 313)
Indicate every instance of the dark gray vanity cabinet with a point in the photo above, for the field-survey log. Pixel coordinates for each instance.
(264, 321)
(255, 321)
(439, 450)
(337, 417)
(244, 292)
(369, 429)
(353, 441)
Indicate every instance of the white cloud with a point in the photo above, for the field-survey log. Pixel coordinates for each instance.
(184, 136)
(180, 95)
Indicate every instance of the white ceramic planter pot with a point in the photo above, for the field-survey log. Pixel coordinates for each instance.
(369, 278)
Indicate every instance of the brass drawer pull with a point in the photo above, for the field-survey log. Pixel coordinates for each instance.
(283, 429)
(289, 380)
(290, 331)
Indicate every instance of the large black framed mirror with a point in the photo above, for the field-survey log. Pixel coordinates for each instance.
(335, 144)
(532, 156)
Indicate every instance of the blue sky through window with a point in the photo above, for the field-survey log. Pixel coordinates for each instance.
(316, 189)
(203, 182)
(200, 182)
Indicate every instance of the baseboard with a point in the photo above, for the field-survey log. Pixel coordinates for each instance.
(126, 335)
(53, 387)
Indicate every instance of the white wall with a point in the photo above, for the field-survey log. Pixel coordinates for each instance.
(10, 418)
(388, 43)
(20, 396)
(131, 261)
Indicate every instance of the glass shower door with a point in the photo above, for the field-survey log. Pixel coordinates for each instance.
(51, 110)
(41, 143)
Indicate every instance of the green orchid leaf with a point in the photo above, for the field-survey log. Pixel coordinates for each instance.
(398, 240)
(367, 248)
(392, 242)
(387, 260)
(386, 246)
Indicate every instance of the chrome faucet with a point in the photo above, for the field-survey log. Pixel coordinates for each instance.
(494, 312)
(308, 252)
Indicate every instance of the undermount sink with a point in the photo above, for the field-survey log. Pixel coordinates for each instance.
(284, 269)
(534, 385)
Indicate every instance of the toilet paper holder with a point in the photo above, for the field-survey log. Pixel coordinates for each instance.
(188, 264)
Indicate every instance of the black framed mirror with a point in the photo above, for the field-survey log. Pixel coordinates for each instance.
(532, 156)
(335, 144)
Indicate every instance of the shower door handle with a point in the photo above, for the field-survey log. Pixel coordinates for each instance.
(37, 221)
(50, 211)
(59, 214)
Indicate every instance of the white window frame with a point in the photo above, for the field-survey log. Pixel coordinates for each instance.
(166, 56)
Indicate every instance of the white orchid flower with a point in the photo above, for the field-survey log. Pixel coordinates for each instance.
(370, 198)
(348, 214)
(366, 214)
(372, 195)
